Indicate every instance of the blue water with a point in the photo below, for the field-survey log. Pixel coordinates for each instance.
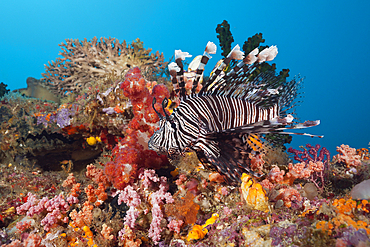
(325, 42)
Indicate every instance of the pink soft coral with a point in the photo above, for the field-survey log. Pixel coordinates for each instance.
(257, 162)
(303, 170)
(175, 225)
(132, 199)
(348, 156)
(157, 200)
(288, 195)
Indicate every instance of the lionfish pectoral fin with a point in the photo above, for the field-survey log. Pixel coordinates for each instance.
(269, 126)
(232, 158)
(224, 167)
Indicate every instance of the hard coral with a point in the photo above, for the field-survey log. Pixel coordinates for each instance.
(85, 61)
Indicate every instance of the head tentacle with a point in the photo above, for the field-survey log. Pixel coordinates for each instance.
(153, 105)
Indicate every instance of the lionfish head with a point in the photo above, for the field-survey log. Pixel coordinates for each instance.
(163, 141)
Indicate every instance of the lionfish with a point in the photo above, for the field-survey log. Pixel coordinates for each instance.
(231, 109)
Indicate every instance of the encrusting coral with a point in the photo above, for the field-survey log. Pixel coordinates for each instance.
(85, 61)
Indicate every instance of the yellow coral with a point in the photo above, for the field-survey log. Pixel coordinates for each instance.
(93, 140)
(89, 236)
(198, 232)
(362, 206)
(344, 206)
(254, 194)
(211, 220)
(325, 226)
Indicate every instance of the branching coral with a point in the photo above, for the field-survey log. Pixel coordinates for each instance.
(54, 209)
(85, 61)
(314, 161)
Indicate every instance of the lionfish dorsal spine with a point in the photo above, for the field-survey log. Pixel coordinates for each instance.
(178, 67)
(210, 49)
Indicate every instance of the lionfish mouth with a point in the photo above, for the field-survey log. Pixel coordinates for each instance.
(158, 150)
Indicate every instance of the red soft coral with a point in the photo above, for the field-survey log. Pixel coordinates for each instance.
(129, 154)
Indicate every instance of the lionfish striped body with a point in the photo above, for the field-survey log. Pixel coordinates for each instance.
(230, 109)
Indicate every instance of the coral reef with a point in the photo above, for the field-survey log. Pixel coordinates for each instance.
(76, 171)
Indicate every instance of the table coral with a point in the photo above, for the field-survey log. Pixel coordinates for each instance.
(85, 61)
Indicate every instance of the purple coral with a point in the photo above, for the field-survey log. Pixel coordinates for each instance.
(62, 118)
(287, 235)
(351, 237)
(313, 155)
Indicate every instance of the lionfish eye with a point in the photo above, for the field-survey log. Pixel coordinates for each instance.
(173, 125)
